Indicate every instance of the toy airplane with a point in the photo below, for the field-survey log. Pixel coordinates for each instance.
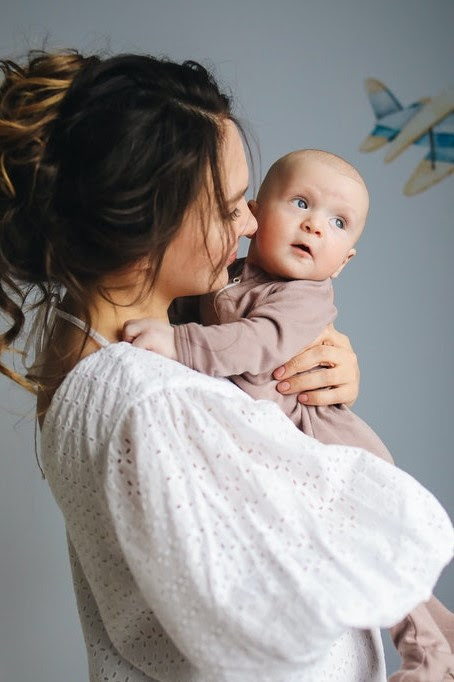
(429, 122)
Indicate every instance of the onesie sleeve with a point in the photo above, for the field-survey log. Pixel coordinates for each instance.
(282, 322)
(184, 310)
(252, 542)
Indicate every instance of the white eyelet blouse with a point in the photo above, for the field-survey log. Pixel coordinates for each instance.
(211, 541)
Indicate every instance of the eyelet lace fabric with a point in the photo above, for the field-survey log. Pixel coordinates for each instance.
(212, 541)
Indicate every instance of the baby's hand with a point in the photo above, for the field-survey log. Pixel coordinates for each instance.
(151, 334)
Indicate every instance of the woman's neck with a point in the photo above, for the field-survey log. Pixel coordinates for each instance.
(108, 314)
(107, 317)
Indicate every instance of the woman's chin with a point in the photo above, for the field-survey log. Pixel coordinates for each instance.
(220, 281)
(208, 283)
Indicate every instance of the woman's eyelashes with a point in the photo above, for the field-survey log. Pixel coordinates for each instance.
(235, 214)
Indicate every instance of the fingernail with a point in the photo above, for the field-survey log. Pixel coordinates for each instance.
(284, 386)
(279, 372)
(303, 397)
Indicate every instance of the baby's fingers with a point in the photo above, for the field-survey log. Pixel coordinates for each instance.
(145, 340)
(132, 329)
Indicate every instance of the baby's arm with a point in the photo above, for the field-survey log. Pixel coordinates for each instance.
(290, 316)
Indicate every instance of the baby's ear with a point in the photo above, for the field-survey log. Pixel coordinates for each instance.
(347, 258)
(253, 207)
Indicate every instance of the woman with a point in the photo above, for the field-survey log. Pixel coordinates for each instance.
(209, 539)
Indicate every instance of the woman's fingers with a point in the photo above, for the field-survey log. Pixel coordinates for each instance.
(320, 378)
(345, 394)
(324, 386)
(322, 374)
(330, 356)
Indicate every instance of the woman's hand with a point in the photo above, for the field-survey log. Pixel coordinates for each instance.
(325, 373)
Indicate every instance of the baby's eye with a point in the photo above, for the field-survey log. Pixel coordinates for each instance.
(339, 222)
(235, 214)
(301, 203)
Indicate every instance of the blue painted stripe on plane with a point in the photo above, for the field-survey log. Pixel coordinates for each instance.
(446, 155)
(383, 131)
(443, 140)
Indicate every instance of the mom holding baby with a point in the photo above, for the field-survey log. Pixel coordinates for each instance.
(210, 540)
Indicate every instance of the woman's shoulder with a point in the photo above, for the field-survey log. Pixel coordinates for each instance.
(119, 376)
(127, 368)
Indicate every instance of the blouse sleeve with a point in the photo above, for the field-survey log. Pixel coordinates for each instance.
(253, 542)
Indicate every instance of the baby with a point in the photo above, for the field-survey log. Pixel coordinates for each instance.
(311, 210)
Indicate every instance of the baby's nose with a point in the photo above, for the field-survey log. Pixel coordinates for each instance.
(312, 225)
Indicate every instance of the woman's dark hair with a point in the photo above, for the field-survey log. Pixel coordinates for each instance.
(99, 161)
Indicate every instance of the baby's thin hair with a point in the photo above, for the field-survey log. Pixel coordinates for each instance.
(321, 155)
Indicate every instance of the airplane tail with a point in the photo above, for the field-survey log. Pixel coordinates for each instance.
(383, 103)
(382, 100)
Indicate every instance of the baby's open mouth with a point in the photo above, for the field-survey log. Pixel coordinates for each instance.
(303, 247)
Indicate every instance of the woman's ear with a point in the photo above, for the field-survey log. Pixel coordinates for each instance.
(347, 258)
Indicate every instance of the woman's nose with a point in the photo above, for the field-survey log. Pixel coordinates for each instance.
(249, 227)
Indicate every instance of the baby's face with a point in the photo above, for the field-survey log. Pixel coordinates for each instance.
(309, 219)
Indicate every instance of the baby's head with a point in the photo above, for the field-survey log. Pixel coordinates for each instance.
(311, 209)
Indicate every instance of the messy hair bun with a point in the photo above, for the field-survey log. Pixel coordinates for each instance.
(30, 99)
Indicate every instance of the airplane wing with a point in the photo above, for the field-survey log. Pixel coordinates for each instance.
(372, 142)
(431, 113)
(382, 100)
(431, 170)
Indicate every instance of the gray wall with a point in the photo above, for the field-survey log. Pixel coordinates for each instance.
(297, 70)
